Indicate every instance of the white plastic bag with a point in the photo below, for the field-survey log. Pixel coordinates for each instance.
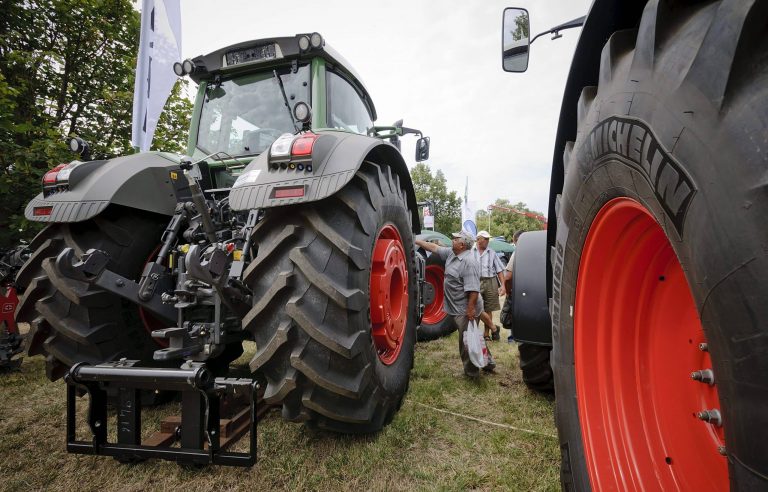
(473, 340)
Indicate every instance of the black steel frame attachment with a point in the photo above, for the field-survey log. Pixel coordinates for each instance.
(202, 433)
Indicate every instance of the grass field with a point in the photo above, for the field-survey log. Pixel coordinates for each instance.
(423, 449)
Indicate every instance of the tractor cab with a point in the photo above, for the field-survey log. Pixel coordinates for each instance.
(251, 93)
(254, 93)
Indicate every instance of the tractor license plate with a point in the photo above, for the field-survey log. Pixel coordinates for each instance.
(250, 55)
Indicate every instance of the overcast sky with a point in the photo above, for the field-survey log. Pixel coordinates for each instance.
(436, 65)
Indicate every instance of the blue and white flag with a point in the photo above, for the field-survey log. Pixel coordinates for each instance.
(468, 214)
(159, 49)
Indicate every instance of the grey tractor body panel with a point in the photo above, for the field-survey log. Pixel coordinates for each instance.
(531, 319)
(336, 157)
(604, 18)
(141, 181)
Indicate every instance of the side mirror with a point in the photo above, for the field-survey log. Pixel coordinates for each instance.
(422, 149)
(515, 40)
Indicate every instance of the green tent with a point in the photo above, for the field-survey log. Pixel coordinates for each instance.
(496, 245)
(501, 246)
(431, 236)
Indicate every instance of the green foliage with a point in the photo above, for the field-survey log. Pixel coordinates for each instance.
(505, 223)
(522, 27)
(173, 126)
(446, 205)
(66, 68)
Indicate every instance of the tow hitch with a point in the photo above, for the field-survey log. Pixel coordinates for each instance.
(215, 413)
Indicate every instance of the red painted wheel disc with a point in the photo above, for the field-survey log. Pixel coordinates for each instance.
(637, 341)
(433, 312)
(389, 294)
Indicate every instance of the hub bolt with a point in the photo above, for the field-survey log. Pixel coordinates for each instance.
(722, 451)
(704, 347)
(704, 376)
(712, 416)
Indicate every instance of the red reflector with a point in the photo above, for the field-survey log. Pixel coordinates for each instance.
(42, 211)
(303, 144)
(289, 192)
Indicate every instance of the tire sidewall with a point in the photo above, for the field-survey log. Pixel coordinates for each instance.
(393, 378)
(710, 235)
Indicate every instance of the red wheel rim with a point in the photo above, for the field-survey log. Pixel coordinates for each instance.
(433, 312)
(637, 339)
(389, 294)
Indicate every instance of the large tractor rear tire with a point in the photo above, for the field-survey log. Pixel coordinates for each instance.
(334, 315)
(435, 323)
(536, 368)
(660, 261)
(72, 321)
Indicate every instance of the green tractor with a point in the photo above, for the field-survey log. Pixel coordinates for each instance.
(291, 224)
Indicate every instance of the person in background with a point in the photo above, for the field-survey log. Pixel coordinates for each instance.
(491, 283)
(508, 286)
(462, 289)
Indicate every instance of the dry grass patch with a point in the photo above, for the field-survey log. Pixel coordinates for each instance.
(422, 449)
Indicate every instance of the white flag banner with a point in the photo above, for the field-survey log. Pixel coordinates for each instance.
(468, 214)
(429, 219)
(159, 49)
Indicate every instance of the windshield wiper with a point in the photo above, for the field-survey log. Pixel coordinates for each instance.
(285, 98)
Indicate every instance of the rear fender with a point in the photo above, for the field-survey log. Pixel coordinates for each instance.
(531, 320)
(150, 181)
(336, 157)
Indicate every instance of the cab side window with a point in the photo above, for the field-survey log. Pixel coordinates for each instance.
(346, 109)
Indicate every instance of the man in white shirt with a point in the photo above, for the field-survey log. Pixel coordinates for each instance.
(491, 282)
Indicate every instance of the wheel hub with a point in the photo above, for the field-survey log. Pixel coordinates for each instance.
(389, 294)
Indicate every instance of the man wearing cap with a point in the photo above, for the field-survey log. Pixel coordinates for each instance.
(491, 283)
(462, 288)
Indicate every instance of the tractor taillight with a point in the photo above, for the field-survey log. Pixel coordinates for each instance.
(282, 146)
(49, 178)
(292, 152)
(302, 146)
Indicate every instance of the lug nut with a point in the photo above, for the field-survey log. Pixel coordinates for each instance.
(712, 416)
(722, 451)
(704, 376)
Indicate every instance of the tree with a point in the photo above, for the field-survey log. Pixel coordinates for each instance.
(522, 26)
(507, 223)
(66, 68)
(446, 205)
(173, 127)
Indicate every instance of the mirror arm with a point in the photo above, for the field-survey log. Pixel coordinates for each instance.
(578, 22)
(411, 130)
